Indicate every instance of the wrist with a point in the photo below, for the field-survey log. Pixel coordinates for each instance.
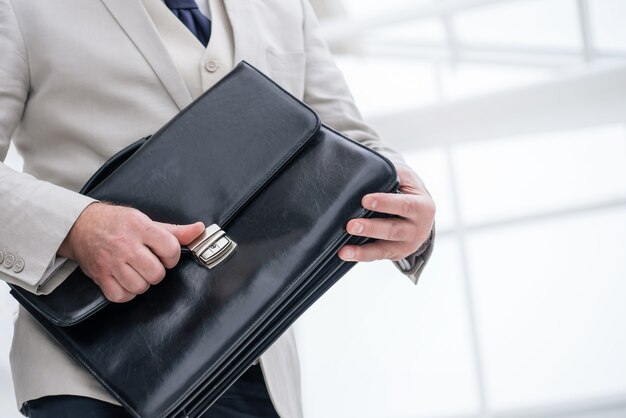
(66, 249)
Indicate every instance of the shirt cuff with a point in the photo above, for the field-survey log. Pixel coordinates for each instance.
(57, 272)
(413, 265)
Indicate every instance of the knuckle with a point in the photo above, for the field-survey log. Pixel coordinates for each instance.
(97, 270)
(99, 256)
(141, 289)
(397, 232)
(410, 206)
(132, 252)
(390, 253)
(137, 219)
(157, 275)
(174, 247)
(127, 298)
(114, 293)
(120, 241)
(116, 298)
(386, 254)
(137, 286)
(170, 263)
(132, 216)
(148, 227)
(171, 258)
(395, 257)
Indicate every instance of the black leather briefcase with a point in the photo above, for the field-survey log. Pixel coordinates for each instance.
(275, 187)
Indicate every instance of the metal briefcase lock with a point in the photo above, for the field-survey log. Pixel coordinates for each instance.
(212, 247)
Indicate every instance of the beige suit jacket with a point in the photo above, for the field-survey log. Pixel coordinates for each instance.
(81, 80)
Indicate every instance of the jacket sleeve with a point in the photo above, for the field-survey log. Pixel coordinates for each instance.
(327, 92)
(35, 216)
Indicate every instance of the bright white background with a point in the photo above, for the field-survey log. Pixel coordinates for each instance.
(514, 114)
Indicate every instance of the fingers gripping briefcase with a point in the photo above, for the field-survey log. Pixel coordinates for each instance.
(275, 188)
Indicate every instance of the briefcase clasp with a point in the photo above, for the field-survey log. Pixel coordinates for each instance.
(212, 247)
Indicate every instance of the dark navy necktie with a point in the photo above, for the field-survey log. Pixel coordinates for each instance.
(187, 11)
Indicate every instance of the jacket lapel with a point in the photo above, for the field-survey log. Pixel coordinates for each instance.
(136, 23)
(245, 30)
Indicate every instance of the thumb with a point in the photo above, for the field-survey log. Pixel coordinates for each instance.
(184, 233)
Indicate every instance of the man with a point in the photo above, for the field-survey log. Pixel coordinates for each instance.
(81, 79)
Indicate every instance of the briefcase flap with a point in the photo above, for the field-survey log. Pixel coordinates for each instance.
(254, 129)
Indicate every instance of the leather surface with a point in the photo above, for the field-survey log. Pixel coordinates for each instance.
(211, 187)
(249, 157)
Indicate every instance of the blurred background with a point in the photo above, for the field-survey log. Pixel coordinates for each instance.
(514, 114)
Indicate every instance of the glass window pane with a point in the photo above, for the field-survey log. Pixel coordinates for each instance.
(413, 33)
(608, 25)
(374, 8)
(378, 346)
(467, 80)
(384, 84)
(550, 307)
(505, 178)
(530, 23)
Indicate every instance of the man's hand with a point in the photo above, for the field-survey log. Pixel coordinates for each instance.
(122, 250)
(397, 237)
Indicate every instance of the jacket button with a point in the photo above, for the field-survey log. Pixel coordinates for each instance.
(9, 259)
(19, 265)
(211, 66)
(1, 257)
